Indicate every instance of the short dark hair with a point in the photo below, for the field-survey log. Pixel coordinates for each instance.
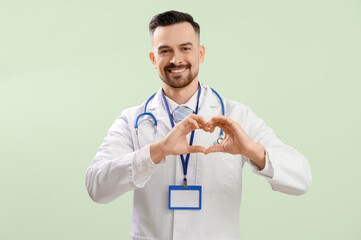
(172, 17)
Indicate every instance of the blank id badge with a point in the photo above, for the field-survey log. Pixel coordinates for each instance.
(189, 198)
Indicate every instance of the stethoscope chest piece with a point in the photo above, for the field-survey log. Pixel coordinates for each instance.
(219, 140)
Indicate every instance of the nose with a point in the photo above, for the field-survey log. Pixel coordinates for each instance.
(176, 60)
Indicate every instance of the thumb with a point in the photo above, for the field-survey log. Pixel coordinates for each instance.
(216, 148)
(196, 149)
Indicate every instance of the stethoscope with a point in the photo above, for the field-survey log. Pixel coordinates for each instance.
(155, 123)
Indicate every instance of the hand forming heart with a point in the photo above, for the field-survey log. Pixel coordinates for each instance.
(236, 141)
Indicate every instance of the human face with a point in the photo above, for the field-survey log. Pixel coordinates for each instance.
(176, 54)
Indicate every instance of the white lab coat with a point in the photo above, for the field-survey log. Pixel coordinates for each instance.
(123, 164)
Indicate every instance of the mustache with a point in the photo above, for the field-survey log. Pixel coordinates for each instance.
(171, 66)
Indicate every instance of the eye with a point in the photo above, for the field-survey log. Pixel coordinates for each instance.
(186, 48)
(164, 51)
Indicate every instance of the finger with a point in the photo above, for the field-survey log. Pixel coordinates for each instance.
(196, 149)
(212, 125)
(190, 125)
(223, 122)
(200, 120)
(219, 121)
(211, 129)
(212, 122)
(216, 148)
(225, 137)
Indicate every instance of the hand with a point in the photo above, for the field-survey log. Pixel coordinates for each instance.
(175, 142)
(236, 141)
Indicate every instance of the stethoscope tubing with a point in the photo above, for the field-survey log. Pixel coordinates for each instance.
(155, 123)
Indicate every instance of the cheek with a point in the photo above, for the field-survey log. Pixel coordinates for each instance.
(160, 67)
(161, 63)
(195, 58)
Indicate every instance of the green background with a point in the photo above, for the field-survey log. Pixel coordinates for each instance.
(68, 68)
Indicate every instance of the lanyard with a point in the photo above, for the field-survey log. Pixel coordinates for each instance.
(184, 162)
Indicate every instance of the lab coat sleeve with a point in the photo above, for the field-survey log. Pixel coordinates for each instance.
(286, 169)
(117, 167)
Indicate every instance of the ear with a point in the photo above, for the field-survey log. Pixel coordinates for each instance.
(152, 59)
(202, 51)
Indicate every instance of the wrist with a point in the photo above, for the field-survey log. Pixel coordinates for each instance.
(157, 152)
(257, 154)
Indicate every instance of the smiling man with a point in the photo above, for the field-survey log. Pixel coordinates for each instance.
(182, 151)
(177, 59)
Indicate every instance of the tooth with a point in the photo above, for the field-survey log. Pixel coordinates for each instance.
(181, 70)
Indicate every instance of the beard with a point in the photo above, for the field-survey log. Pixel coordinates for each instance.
(178, 81)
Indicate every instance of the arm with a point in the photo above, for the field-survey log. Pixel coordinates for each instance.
(236, 141)
(118, 168)
(286, 170)
(291, 170)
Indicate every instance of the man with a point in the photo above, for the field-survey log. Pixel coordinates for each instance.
(149, 161)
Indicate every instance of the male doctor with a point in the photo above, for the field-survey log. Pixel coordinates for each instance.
(189, 119)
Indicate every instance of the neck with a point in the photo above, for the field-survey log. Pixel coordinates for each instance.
(181, 95)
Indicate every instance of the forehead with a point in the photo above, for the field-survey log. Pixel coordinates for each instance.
(174, 35)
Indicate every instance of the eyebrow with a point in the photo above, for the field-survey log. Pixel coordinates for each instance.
(185, 44)
(182, 45)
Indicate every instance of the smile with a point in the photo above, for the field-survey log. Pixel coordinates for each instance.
(180, 70)
(176, 70)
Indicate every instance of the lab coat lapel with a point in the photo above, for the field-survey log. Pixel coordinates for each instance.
(210, 105)
(157, 107)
